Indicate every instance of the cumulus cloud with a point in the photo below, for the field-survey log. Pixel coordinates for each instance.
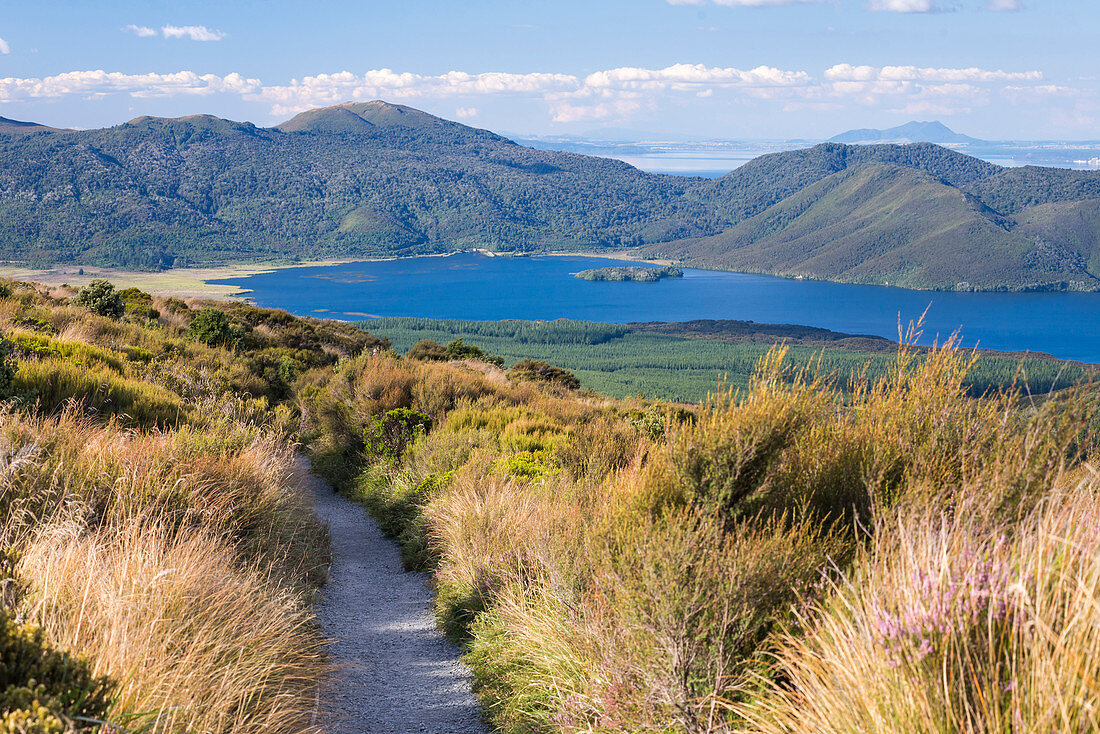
(684, 77)
(848, 72)
(98, 83)
(607, 94)
(193, 32)
(565, 111)
(4, 47)
(746, 3)
(907, 6)
(327, 89)
(142, 31)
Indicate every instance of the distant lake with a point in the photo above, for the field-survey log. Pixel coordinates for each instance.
(472, 286)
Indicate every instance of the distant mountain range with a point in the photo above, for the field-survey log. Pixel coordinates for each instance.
(370, 179)
(910, 132)
(16, 127)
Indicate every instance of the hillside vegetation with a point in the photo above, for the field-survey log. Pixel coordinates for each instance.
(157, 561)
(916, 216)
(370, 179)
(819, 551)
(897, 556)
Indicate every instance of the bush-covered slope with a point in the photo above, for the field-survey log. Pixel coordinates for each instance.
(609, 565)
(157, 559)
(875, 223)
(769, 179)
(370, 179)
(623, 567)
(343, 181)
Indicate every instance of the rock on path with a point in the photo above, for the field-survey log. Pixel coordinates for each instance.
(395, 672)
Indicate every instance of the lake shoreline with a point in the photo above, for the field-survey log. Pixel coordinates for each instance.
(472, 286)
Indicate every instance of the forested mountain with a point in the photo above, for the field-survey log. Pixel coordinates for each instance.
(368, 179)
(361, 179)
(876, 223)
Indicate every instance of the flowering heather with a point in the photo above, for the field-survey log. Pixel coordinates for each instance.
(973, 594)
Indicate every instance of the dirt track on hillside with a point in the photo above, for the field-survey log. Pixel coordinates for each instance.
(395, 672)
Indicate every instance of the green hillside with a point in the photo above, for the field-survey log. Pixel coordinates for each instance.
(876, 223)
(350, 180)
(376, 179)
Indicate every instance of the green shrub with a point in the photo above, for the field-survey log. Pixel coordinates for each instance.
(52, 383)
(211, 327)
(100, 297)
(429, 350)
(135, 295)
(34, 324)
(539, 371)
(388, 435)
(8, 368)
(43, 689)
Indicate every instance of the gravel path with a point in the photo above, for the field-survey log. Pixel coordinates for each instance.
(395, 672)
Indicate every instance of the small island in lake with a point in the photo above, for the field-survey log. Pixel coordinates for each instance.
(643, 275)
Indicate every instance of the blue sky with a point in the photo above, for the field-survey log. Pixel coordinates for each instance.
(1004, 69)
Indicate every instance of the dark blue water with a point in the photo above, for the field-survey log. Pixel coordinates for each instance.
(471, 286)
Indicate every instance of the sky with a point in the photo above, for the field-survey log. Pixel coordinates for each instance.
(731, 69)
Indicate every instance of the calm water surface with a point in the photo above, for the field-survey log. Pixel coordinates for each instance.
(471, 286)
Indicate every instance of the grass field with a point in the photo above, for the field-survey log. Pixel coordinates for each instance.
(622, 362)
(178, 282)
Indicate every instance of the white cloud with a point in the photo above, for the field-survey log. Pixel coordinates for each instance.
(614, 93)
(1005, 5)
(142, 31)
(567, 112)
(683, 77)
(847, 72)
(746, 3)
(4, 47)
(193, 32)
(927, 107)
(99, 83)
(1018, 94)
(906, 6)
(327, 89)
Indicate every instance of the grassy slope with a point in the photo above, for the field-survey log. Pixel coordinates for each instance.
(883, 224)
(615, 568)
(151, 534)
(611, 565)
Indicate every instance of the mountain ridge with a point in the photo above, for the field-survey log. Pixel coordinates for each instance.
(931, 131)
(375, 179)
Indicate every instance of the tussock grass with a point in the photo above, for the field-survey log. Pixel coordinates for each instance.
(178, 563)
(949, 625)
(195, 635)
(154, 545)
(619, 567)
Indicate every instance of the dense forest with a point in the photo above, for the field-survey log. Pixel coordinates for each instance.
(687, 361)
(371, 179)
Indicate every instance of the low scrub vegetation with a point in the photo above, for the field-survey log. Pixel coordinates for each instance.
(157, 560)
(876, 549)
(806, 554)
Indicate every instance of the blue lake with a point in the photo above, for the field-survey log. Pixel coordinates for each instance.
(472, 286)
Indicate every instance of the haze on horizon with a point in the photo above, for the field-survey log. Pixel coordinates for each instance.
(994, 69)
